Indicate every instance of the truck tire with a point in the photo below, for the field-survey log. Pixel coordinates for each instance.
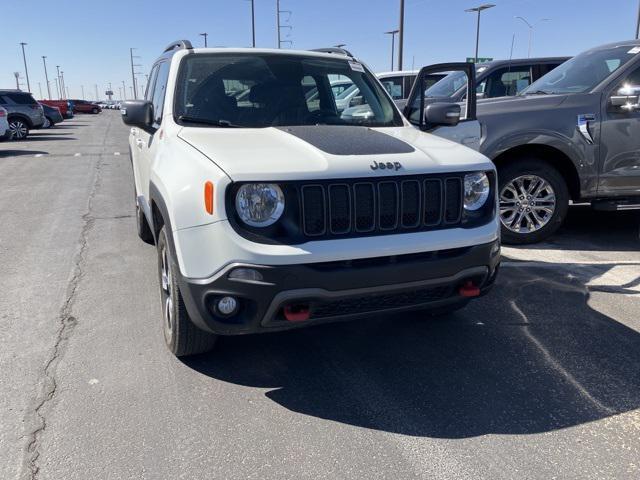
(182, 337)
(534, 199)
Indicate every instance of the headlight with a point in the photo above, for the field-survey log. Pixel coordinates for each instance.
(476, 190)
(259, 204)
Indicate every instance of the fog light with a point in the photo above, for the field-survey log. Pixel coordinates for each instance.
(248, 274)
(227, 306)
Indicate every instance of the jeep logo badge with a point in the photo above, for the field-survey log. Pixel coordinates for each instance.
(385, 166)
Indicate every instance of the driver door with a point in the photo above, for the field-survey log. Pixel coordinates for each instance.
(468, 130)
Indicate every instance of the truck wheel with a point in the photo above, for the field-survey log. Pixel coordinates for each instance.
(19, 128)
(180, 334)
(144, 231)
(534, 200)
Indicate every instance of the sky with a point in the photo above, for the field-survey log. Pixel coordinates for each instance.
(90, 40)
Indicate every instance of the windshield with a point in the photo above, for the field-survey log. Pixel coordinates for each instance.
(263, 90)
(583, 72)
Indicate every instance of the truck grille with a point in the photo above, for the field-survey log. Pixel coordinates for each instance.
(384, 206)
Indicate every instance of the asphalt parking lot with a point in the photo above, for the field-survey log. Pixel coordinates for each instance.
(540, 379)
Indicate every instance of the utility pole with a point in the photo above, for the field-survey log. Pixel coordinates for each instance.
(401, 36)
(17, 75)
(479, 9)
(280, 26)
(26, 71)
(531, 30)
(124, 90)
(40, 89)
(97, 98)
(205, 35)
(393, 44)
(46, 76)
(133, 71)
(57, 88)
(82, 87)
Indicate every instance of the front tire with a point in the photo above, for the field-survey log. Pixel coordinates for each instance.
(534, 200)
(19, 128)
(48, 123)
(181, 336)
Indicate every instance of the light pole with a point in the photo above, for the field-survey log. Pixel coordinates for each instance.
(46, 76)
(479, 9)
(57, 88)
(58, 82)
(393, 44)
(63, 86)
(638, 23)
(253, 23)
(82, 87)
(400, 37)
(40, 89)
(26, 71)
(17, 75)
(97, 98)
(205, 35)
(124, 90)
(531, 30)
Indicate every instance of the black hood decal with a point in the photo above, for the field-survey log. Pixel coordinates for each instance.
(349, 140)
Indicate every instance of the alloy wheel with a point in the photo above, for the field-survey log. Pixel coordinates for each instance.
(167, 299)
(527, 204)
(18, 129)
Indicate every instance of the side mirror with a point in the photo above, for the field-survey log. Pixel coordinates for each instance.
(438, 114)
(626, 99)
(137, 113)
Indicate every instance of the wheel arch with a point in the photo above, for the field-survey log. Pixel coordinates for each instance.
(22, 117)
(549, 155)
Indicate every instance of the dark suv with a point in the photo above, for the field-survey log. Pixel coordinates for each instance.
(23, 111)
(572, 135)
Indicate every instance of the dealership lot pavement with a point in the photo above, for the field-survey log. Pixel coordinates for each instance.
(540, 379)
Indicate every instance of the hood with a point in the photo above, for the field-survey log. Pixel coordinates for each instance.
(328, 152)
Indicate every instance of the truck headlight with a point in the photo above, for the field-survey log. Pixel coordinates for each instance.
(476, 190)
(259, 204)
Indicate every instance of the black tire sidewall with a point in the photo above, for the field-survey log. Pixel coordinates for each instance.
(542, 169)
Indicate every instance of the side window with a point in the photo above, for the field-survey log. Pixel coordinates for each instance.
(21, 99)
(310, 86)
(393, 85)
(506, 82)
(159, 91)
(152, 80)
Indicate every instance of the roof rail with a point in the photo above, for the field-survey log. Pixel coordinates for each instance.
(340, 51)
(179, 45)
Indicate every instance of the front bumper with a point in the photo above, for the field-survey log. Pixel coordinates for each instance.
(340, 290)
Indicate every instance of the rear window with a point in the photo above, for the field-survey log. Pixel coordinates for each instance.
(20, 98)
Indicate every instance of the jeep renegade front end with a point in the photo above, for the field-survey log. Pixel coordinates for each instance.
(271, 211)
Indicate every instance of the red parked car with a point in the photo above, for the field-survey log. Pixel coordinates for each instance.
(62, 105)
(82, 106)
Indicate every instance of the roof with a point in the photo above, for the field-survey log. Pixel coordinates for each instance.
(398, 72)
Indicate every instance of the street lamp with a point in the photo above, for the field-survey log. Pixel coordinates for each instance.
(253, 23)
(205, 35)
(479, 9)
(531, 30)
(46, 76)
(393, 43)
(26, 72)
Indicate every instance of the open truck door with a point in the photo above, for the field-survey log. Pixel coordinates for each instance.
(443, 118)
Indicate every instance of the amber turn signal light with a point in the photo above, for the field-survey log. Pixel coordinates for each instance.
(208, 197)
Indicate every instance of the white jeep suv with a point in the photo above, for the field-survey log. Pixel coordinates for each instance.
(273, 212)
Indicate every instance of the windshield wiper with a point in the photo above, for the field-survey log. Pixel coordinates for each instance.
(207, 121)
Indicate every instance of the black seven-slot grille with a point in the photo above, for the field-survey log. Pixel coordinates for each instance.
(384, 205)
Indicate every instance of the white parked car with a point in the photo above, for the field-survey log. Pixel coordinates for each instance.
(275, 213)
(5, 131)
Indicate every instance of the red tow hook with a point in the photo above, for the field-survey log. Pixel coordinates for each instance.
(469, 290)
(296, 313)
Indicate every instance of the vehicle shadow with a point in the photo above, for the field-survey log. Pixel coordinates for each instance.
(47, 138)
(533, 356)
(18, 153)
(588, 229)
